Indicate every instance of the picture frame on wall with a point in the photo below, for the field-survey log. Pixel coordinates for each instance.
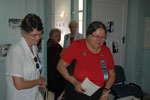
(110, 26)
(4, 49)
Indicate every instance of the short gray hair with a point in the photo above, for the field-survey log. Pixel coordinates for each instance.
(53, 31)
(73, 23)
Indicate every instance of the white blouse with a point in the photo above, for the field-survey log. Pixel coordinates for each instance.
(20, 62)
(78, 36)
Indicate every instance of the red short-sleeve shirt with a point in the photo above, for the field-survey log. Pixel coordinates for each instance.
(87, 63)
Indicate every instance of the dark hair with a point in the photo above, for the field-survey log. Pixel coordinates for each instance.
(94, 26)
(53, 31)
(31, 22)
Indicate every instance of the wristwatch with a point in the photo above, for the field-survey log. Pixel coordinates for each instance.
(106, 89)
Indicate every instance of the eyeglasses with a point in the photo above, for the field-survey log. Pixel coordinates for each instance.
(98, 37)
(35, 35)
(37, 65)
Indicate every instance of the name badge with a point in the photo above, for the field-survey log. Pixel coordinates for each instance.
(104, 70)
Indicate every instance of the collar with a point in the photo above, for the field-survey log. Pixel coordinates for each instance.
(27, 49)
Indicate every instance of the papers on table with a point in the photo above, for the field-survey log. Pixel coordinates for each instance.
(90, 87)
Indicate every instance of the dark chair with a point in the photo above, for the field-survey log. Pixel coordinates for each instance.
(120, 89)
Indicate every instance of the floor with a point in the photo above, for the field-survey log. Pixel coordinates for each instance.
(146, 96)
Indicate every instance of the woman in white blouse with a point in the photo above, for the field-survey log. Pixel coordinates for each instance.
(23, 65)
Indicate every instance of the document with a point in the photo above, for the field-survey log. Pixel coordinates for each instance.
(90, 87)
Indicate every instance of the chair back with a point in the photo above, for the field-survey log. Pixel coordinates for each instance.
(120, 75)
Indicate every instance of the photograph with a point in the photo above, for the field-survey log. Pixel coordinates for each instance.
(14, 22)
(115, 47)
(4, 49)
(110, 26)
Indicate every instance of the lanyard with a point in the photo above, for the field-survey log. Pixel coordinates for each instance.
(104, 70)
(40, 64)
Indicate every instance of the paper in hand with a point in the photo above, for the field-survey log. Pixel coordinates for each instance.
(90, 87)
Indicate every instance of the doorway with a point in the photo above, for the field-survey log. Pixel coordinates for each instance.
(113, 14)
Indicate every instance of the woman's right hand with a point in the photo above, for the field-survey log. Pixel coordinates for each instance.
(78, 87)
(62, 68)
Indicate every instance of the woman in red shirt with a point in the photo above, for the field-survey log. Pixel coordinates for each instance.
(93, 61)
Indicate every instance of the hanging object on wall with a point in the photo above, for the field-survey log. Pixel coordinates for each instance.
(14, 29)
(114, 47)
(4, 49)
(63, 14)
(110, 26)
(60, 25)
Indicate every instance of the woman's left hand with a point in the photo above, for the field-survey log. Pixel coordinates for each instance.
(43, 82)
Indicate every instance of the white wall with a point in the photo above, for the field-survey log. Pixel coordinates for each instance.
(14, 9)
(116, 12)
(57, 7)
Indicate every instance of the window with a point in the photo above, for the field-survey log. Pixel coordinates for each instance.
(80, 15)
